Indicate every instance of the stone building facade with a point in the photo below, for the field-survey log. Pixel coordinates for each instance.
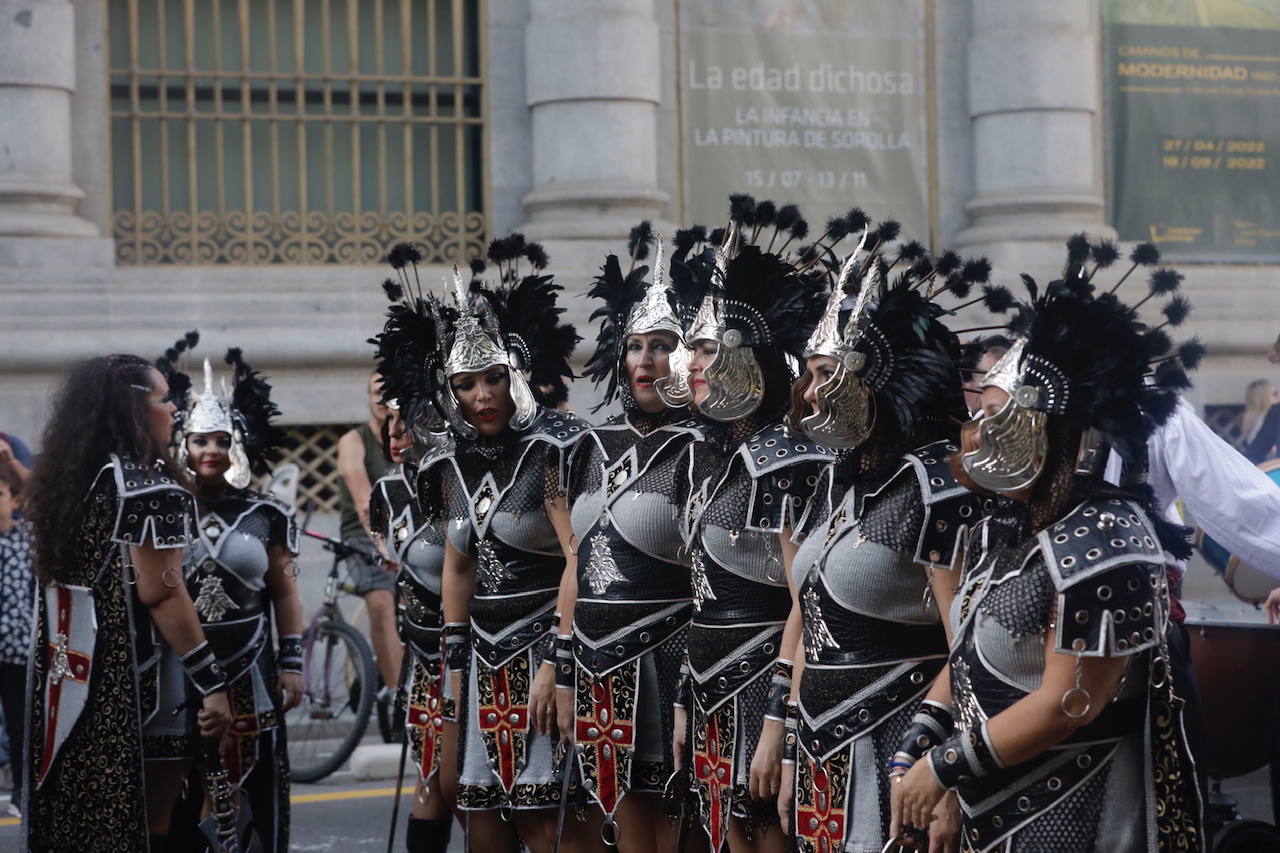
(565, 120)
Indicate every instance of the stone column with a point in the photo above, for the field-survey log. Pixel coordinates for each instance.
(1034, 101)
(593, 84)
(37, 77)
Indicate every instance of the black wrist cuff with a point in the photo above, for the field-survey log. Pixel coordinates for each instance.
(779, 690)
(203, 669)
(457, 643)
(963, 757)
(684, 686)
(932, 724)
(289, 653)
(790, 734)
(564, 662)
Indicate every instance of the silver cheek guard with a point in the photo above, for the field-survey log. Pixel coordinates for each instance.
(846, 411)
(673, 389)
(735, 380)
(526, 407)
(1013, 446)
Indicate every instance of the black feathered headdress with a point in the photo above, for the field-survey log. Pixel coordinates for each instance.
(409, 358)
(634, 303)
(252, 412)
(756, 303)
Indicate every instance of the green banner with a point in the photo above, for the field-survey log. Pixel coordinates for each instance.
(819, 103)
(1194, 107)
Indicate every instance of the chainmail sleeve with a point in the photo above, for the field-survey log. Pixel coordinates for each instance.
(152, 508)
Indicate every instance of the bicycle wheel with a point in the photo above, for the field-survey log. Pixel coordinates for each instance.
(339, 683)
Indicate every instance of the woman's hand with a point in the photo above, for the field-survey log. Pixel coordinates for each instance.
(565, 713)
(786, 796)
(944, 830)
(679, 731)
(214, 716)
(766, 764)
(912, 799)
(542, 698)
(290, 689)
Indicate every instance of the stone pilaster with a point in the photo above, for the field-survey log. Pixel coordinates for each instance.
(1035, 105)
(37, 77)
(593, 85)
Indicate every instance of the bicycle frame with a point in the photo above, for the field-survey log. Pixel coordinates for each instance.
(328, 611)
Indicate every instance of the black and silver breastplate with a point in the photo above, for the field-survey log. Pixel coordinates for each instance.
(625, 489)
(416, 541)
(226, 572)
(735, 517)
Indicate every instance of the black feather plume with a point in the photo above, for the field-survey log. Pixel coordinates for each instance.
(997, 298)
(253, 412)
(537, 256)
(639, 239)
(1145, 254)
(742, 209)
(887, 231)
(1191, 353)
(855, 220)
(1176, 310)
(393, 290)
(948, 262)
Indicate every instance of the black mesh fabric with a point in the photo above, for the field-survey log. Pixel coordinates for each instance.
(1021, 604)
(256, 524)
(728, 507)
(1072, 825)
(893, 517)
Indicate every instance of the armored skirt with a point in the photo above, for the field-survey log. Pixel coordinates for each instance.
(740, 502)
(226, 574)
(1124, 782)
(93, 677)
(873, 640)
(416, 541)
(495, 491)
(631, 618)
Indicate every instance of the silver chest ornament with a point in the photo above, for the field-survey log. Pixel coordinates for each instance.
(702, 591)
(213, 602)
(817, 635)
(601, 569)
(490, 571)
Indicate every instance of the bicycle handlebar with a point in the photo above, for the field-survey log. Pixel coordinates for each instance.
(343, 549)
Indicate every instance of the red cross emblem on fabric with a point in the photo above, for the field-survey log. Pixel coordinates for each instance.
(243, 727)
(604, 734)
(713, 768)
(821, 823)
(504, 720)
(63, 664)
(428, 719)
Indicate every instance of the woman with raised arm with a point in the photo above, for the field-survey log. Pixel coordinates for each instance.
(507, 539)
(407, 519)
(751, 309)
(117, 636)
(240, 573)
(626, 617)
(883, 390)
(1067, 733)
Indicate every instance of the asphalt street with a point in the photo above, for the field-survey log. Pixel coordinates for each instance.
(338, 814)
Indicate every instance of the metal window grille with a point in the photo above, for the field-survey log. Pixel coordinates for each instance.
(297, 131)
(315, 450)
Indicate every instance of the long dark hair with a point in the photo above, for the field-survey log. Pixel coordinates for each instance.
(100, 409)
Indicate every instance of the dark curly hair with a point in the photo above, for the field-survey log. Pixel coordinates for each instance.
(100, 409)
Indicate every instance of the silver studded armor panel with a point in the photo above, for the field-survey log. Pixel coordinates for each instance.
(1091, 790)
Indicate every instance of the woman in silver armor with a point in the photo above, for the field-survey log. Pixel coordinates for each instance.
(752, 310)
(882, 534)
(409, 528)
(507, 537)
(1067, 734)
(627, 615)
(240, 572)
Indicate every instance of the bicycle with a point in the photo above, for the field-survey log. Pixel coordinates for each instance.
(339, 678)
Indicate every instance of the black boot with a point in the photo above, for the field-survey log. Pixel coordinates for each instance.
(428, 836)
